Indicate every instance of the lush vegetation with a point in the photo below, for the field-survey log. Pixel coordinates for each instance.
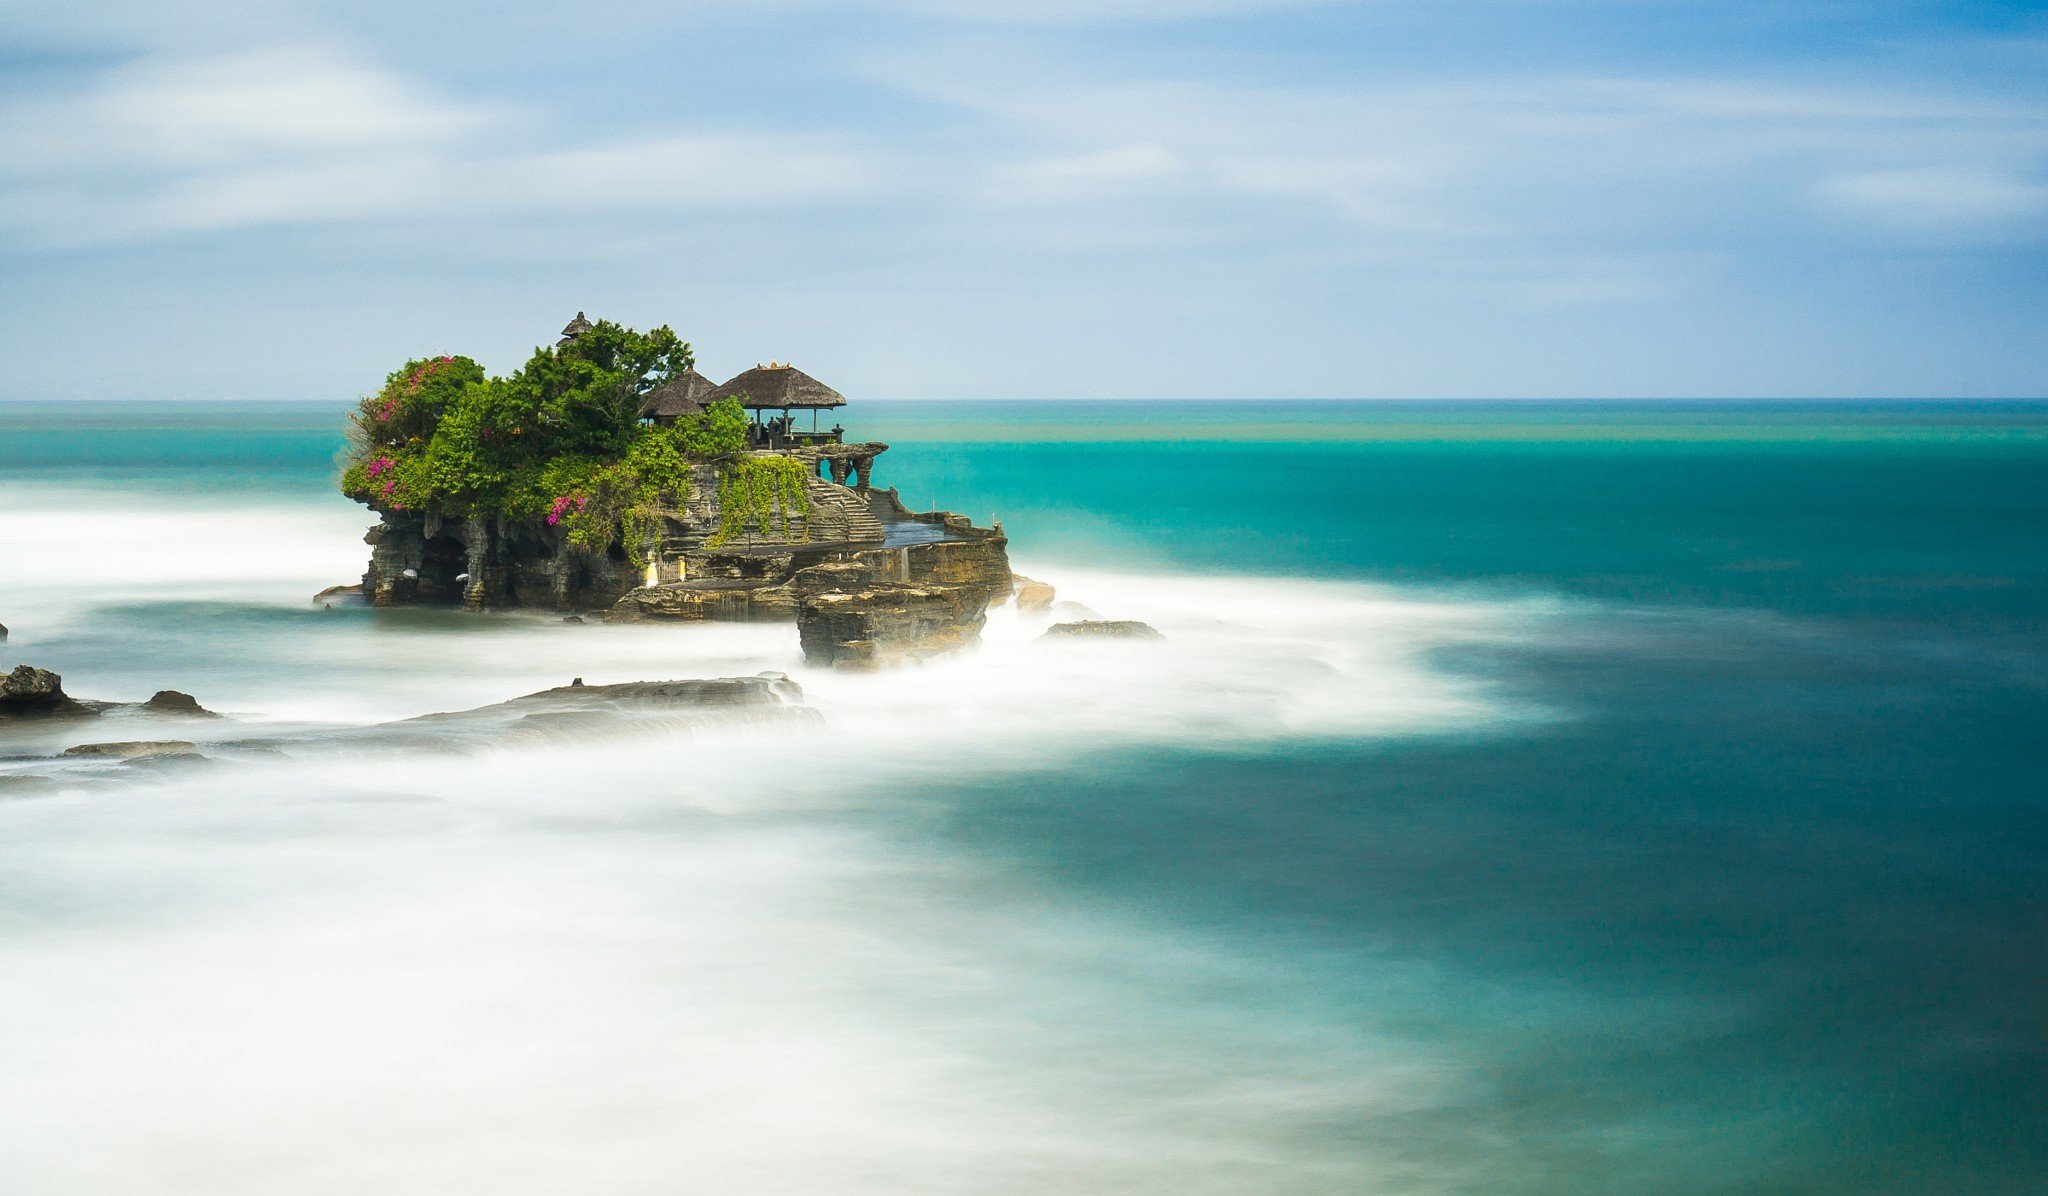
(558, 440)
(760, 494)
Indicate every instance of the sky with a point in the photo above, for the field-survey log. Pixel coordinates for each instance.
(283, 199)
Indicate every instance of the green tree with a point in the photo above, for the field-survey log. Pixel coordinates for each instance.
(558, 439)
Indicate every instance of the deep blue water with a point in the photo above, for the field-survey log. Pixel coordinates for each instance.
(1763, 909)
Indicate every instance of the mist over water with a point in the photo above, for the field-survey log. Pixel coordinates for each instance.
(1397, 868)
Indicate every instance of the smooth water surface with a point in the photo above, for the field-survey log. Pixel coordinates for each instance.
(1529, 798)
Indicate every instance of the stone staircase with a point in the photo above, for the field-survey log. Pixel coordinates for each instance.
(834, 507)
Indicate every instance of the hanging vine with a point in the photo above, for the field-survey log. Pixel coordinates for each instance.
(760, 495)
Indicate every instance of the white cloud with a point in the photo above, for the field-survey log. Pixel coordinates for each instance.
(298, 135)
(1536, 159)
(290, 101)
(1938, 196)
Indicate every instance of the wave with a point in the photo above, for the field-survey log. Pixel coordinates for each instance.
(637, 957)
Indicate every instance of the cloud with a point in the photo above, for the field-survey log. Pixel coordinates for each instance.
(1079, 12)
(1543, 158)
(171, 112)
(306, 135)
(1939, 197)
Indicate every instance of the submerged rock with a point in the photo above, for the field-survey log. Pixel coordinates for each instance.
(1114, 629)
(326, 597)
(144, 749)
(764, 691)
(30, 692)
(3, 631)
(170, 701)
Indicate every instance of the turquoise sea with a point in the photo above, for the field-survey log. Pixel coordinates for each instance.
(1530, 797)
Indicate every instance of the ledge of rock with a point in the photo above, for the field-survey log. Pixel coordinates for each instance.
(731, 601)
(352, 592)
(1108, 629)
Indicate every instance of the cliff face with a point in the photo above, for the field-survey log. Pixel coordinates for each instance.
(487, 563)
(887, 606)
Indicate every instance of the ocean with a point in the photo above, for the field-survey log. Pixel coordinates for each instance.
(1529, 797)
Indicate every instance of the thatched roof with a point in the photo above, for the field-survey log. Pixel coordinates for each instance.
(776, 386)
(684, 394)
(574, 328)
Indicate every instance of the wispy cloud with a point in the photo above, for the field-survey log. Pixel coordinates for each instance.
(1147, 177)
(1943, 197)
(1531, 157)
(297, 135)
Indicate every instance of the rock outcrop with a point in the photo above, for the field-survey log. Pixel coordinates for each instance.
(867, 581)
(892, 605)
(1033, 595)
(180, 705)
(30, 692)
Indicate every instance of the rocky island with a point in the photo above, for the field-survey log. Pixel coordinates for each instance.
(608, 475)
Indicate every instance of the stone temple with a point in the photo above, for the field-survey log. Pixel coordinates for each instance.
(867, 581)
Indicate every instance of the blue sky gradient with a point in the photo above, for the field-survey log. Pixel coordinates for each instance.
(1127, 198)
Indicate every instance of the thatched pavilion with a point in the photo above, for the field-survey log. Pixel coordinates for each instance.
(685, 394)
(783, 388)
(574, 328)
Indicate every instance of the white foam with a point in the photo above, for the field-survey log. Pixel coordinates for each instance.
(723, 962)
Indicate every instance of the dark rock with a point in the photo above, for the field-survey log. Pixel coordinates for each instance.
(3, 631)
(30, 692)
(170, 701)
(324, 598)
(1116, 629)
(135, 750)
(417, 558)
(572, 618)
